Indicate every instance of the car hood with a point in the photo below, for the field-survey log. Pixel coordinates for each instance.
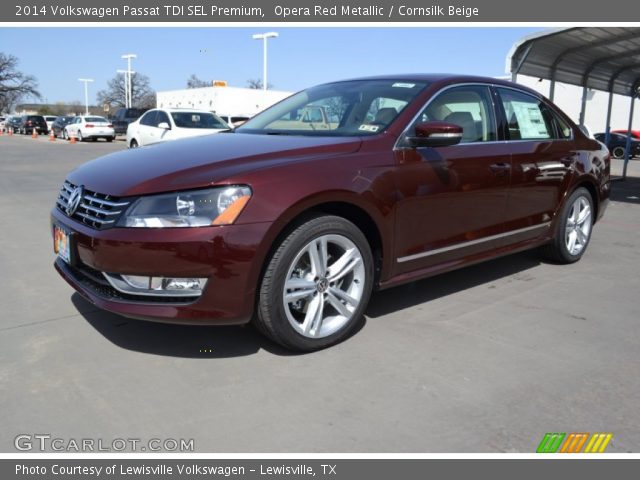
(201, 161)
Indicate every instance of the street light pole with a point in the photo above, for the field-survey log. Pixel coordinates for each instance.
(264, 37)
(127, 93)
(86, 93)
(127, 82)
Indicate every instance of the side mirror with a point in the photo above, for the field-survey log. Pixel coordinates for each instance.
(164, 126)
(436, 134)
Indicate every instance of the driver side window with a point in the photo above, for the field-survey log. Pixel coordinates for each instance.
(469, 107)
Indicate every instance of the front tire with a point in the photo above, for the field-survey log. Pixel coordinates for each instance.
(133, 144)
(80, 137)
(573, 229)
(316, 285)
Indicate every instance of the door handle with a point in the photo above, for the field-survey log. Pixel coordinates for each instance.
(500, 168)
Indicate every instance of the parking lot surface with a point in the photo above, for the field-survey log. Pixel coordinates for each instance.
(485, 359)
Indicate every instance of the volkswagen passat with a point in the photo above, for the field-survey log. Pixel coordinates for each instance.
(294, 218)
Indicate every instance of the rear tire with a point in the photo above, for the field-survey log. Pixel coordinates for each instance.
(316, 285)
(573, 229)
(618, 152)
(133, 144)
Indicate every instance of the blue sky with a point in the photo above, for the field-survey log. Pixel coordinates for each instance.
(299, 58)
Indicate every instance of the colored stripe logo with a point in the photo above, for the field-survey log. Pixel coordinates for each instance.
(574, 442)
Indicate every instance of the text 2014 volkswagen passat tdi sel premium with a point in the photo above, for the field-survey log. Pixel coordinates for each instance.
(294, 218)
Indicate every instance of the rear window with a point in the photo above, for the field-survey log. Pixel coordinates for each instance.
(133, 113)
(95, 119)
(197, 120)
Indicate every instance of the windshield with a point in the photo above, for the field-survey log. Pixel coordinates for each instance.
(360, 107)
(198, 120)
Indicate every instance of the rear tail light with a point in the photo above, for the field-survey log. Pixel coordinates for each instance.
(110, 126)
(89, 125)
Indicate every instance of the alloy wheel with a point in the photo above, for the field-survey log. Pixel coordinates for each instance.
(578, 227)
(324, 286)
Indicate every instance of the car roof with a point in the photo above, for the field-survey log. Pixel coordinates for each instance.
(445, 79)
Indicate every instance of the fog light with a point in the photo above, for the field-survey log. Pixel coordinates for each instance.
(157, 286)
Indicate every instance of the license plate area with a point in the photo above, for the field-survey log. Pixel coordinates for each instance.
(63, 244)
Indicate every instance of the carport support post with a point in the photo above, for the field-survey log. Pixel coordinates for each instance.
(628, 146)
(552, 87)
(583, 105)
(607, 135)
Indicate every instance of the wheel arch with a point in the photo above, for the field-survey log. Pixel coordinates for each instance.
(344, 204)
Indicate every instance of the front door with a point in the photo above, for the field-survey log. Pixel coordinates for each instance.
(452, 199)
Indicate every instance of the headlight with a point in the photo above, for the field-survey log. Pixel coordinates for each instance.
(196, 208)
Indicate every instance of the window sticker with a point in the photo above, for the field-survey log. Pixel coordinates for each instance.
(403, 85)
(530, 120)
(369, 128)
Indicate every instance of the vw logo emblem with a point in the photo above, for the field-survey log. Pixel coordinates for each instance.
(75, 197)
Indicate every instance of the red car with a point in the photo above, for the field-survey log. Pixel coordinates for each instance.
(634, 133)
(291, 220)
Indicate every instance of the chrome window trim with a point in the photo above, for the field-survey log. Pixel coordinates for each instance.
(470, 243)
(403, 135)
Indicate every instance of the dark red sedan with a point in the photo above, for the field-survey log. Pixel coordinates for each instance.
(291, 220)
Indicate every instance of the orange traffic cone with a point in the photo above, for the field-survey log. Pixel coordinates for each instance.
(72, 138)
(52, 136)
(34, 133)
(1, 132)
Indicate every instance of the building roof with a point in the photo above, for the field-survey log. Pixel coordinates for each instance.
(602, 58)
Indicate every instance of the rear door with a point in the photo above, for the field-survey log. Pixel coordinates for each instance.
(452, 199)
(541, 154)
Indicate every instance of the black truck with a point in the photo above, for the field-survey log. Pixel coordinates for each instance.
(123, 117)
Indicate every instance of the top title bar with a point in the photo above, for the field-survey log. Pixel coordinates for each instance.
(317, 11)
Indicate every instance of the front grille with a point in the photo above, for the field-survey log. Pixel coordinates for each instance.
(97, 210)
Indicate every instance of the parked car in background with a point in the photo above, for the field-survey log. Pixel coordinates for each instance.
(634, 133)
(165, 124)
(123, 117)
(13, 123)
(293, 227)
(618, 144)
(2, 123)
(50, 119)
(59, 124)
(29, 123)
(89, 128)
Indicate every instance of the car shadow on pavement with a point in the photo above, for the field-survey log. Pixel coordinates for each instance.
(186, 341)
(412, 294)
(192, 341)
(626, 191)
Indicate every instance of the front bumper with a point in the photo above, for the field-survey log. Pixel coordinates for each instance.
(230, 257)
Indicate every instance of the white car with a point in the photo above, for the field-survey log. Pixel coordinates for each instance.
(91, 127)
(165, 124)
(50, 119)
(2, 123)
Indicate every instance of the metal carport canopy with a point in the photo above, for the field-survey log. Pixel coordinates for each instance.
(600, 58)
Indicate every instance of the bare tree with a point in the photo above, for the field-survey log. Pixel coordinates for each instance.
(256, 84)
(14, 85)
(194, 82)
(141, 92)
